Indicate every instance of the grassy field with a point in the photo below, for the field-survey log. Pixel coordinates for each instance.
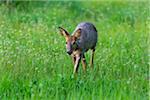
(34, 63)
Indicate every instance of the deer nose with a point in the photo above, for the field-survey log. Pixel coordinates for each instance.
(69, 52)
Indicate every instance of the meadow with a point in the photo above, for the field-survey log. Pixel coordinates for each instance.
(34, 63)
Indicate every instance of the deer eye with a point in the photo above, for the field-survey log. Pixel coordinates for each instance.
(73, 43)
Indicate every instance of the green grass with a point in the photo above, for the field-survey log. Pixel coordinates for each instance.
(34, 64)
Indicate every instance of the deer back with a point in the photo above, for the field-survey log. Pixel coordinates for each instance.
(88, 37)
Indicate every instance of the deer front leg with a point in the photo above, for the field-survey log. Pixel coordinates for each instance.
(78, 58)
(92, 58)
(83, 63)
(73, 59)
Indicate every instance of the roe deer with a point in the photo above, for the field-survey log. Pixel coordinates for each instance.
(82, 39)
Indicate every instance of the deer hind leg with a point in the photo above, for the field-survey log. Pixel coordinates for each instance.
(83, 63)
(78, 59)
(92, 58)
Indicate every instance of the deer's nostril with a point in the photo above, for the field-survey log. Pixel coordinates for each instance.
(69, 52)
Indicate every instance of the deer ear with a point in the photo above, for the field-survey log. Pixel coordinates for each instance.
(63, 31)
(77, 33)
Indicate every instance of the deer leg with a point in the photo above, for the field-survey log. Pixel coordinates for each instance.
(83, 63)
(92, 58)
(78, 59)
(74, 59)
